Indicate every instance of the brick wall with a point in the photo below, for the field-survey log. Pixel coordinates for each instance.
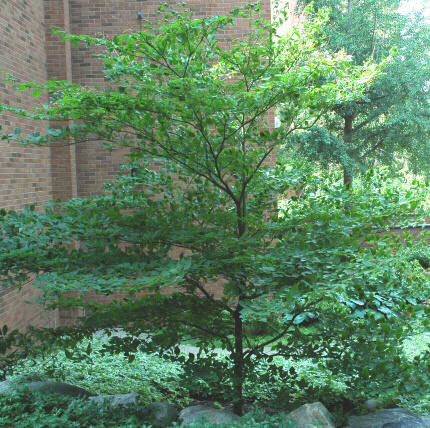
(108, 17)
(59, 67)
(30, 175)
(25, 172)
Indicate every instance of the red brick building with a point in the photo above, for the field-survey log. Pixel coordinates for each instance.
(28, 50)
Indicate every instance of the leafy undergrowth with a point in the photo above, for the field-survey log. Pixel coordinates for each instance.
(154, 378)
(158, 379)
(415, 347)
(24, 409)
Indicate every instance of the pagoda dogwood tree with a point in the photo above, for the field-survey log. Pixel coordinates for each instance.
(209, 218)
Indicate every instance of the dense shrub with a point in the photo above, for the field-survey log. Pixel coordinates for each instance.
(25, 409)
(154, 378)
(342, 385)
(158, 379)
(420, 253)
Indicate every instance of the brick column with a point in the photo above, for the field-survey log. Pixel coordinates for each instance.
(59, 67)
(25, 172)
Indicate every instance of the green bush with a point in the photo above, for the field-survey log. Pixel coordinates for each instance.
(158, 379)
(23, 409)
(420, 253)
(341, 385)
(154, 378)
(290, 385)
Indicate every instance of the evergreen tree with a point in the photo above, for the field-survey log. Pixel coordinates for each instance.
(391, 124)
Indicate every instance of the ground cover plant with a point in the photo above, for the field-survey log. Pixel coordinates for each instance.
(211, 218)
(158, 379)
(23, 409)
(154, 378)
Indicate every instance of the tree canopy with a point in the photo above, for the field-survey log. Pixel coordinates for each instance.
(391, 124)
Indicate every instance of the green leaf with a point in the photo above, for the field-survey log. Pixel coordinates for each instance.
(300, 318)
(37, 92)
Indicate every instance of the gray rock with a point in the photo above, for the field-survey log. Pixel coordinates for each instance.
(160, 414)
(426, 420)
(117, 399)
(58, 388)
(388, 418)
(6, 388)
(212, 415)
(372, 405)
(402, 424)
(312, 415)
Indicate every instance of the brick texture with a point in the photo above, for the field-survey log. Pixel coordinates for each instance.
(30, 175)
(25, 172)
(106, 18)
(25, 176)
(59, 67)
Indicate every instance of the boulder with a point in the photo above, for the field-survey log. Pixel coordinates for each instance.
(388, 418)
(211, 414)
(6, 388)
(50, 387)
(372, 405)
(160, 414)
(58, 388)
(312, 415)
(117, 399)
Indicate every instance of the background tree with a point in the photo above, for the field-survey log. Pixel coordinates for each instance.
(391, 124)
(210, 217)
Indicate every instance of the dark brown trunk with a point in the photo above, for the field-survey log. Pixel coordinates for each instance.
(347, 179)
(238, 376)
(238, 362)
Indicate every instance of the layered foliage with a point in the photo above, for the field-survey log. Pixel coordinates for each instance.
(201, 210)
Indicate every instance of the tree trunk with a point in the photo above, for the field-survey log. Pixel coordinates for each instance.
(347, 138)
(238, 362)
(238, 376)
(347, 179)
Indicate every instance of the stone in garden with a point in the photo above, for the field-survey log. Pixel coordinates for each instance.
(160, 414)
(58, 388)
(117, 399)
(426, 420)
(388, 418)
(313, 415)
(372, 405)
(212, 415)
(6, 388)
